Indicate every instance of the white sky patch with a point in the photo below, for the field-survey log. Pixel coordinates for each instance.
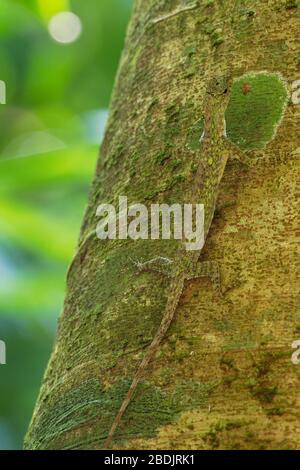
(65, 27)
(95, 122)
(7, 273)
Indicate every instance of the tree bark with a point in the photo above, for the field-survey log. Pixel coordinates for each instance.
(223, 376)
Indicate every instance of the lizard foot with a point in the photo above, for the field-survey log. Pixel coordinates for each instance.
(208, 269)
(158, 264)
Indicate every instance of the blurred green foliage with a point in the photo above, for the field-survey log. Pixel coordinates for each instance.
(57, 97)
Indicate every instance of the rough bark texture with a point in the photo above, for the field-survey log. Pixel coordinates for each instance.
(223, 377)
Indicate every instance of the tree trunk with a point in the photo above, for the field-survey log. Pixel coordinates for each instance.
(222, 377)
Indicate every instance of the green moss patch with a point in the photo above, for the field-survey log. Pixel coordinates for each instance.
(67, 421)
(290, 4)
(255, 109)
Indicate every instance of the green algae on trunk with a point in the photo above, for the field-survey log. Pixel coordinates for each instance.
(256, 107)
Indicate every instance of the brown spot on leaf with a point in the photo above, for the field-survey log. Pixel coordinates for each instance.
(246, 88)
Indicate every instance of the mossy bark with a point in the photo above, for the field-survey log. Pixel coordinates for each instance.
(223, 377)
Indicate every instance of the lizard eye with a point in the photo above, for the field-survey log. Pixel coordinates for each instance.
(255, 109)
(218, 85)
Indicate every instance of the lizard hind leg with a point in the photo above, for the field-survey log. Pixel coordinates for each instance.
(159, 264)
(208, 269)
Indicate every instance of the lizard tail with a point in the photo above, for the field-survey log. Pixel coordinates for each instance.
(128, 397)
(162, 330)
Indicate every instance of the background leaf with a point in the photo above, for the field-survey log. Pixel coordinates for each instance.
(51, 127)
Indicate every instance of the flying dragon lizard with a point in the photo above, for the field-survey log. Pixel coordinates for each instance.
(215, 151)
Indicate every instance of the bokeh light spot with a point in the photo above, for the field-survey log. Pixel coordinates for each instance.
(65, 27)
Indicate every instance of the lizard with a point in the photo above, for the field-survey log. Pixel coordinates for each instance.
(215, 151)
